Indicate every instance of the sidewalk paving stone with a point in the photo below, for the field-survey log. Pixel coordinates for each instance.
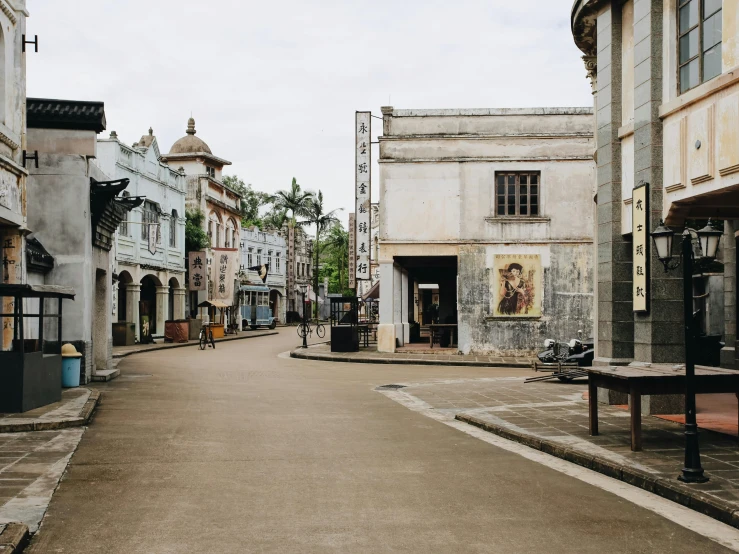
(74, 409)
(322, 352)
(553, 417)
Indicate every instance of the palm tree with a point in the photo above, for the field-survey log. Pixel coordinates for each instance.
(295, 201)
(315, 216)
(337, 243)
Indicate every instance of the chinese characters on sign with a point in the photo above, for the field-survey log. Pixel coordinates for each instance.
(362, 195)
(352, 253)
(153, 230)
(197, 267)
(640, 232)
(224, 260)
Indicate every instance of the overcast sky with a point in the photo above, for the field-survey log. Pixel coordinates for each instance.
(273, 86)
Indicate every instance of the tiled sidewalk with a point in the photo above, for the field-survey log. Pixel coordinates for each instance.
(371, 356)
(553, 417)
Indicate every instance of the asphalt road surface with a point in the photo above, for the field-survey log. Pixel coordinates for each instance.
(240, 450)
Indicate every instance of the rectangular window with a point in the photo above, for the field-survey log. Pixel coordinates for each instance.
(699, 42)
(210, 171)
(259, 256)
(250, 257)
(277, 263)
(269, 258)
(149, 215)
(517, 194)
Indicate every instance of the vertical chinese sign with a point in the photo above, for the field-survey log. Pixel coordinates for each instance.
(362, 224)
(196, 264)
(224, 274)
(640, 233)
(352, 253)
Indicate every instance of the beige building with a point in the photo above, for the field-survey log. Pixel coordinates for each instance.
(487, 223)
(13, 168)
(206, 192)
(665, 79)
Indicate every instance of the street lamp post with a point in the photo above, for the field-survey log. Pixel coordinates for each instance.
(303, 290)
(709, 239)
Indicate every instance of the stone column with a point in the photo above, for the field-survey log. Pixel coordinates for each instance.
(615, 324)
(162, 305)
(133, 295)
(728, 246)
(179, 302)
(404, 307)
(659, 334)
(398, 302)
(386, 328)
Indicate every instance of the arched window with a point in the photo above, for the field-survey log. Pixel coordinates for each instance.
(214, 230)
(173, 229)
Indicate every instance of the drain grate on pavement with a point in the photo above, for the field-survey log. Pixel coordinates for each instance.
(390, 387)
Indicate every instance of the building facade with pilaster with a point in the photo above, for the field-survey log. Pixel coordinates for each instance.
(665, 81)
(265, 248)
(13, 171)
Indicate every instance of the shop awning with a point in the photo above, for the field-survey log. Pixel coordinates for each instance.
(373, 293)
(214, 304)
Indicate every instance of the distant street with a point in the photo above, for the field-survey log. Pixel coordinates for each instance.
(242, 450)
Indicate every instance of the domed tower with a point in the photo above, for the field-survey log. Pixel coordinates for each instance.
(207, 193)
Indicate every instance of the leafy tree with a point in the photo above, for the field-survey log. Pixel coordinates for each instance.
(252, 200)
(296, 201)
(315, 215)
(195, 237)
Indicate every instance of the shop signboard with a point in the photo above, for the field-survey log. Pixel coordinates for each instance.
(363, 171)
(640, 235)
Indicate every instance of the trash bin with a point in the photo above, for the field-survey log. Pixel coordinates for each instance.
(70, 366)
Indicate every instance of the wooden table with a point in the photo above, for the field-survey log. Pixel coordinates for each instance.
(440, 326)
(636, 381)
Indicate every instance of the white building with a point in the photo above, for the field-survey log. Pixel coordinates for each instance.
(270, 248)
(493, 209)
(157, 278)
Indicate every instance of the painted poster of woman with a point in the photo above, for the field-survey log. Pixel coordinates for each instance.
(518, 285)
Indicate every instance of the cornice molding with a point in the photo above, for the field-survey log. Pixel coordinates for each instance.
(8, 11)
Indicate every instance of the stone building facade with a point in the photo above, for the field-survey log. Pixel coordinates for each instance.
(266, 247)
(74, 210)
(13, 172)
(666, 92)
(157, 277)
(299, 267)
(207, 193)
(469, 198)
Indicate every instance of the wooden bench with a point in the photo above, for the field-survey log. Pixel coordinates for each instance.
(638, 381)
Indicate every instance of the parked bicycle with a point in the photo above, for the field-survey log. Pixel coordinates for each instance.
(206, 336)
(305, 330)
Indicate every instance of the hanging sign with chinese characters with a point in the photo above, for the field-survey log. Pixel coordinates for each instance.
(640, 234)
(196, 262)
(352, 253)
(224, 273)
(362, 194)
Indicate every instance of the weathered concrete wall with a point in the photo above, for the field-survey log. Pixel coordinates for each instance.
(437, 192)
(566, 302)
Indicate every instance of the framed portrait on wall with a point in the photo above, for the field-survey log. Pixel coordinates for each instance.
(516, 283)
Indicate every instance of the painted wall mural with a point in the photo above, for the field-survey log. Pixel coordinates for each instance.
(516, 285)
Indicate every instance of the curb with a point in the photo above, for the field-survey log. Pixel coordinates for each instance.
(185, 344)
(402, 361)
(666, 488)
(13, 538)
(84, 418)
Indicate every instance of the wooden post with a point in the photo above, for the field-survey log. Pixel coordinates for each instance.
(41, 324)
(19, 302)
(59, 326)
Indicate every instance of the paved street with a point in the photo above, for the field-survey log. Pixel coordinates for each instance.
(239, 450)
